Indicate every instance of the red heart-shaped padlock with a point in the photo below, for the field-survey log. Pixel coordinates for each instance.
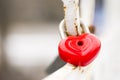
(79, 50)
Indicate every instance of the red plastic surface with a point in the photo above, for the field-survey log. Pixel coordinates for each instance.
(79, 50)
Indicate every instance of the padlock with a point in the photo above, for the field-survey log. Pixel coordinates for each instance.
(79, 50)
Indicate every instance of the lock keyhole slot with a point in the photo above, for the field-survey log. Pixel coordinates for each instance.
(80, 43)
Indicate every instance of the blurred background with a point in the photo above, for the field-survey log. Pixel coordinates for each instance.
(29, 38)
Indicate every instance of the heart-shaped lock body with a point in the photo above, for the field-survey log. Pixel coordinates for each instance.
(79, 50)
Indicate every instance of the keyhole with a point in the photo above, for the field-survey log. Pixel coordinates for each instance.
(80, 43)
